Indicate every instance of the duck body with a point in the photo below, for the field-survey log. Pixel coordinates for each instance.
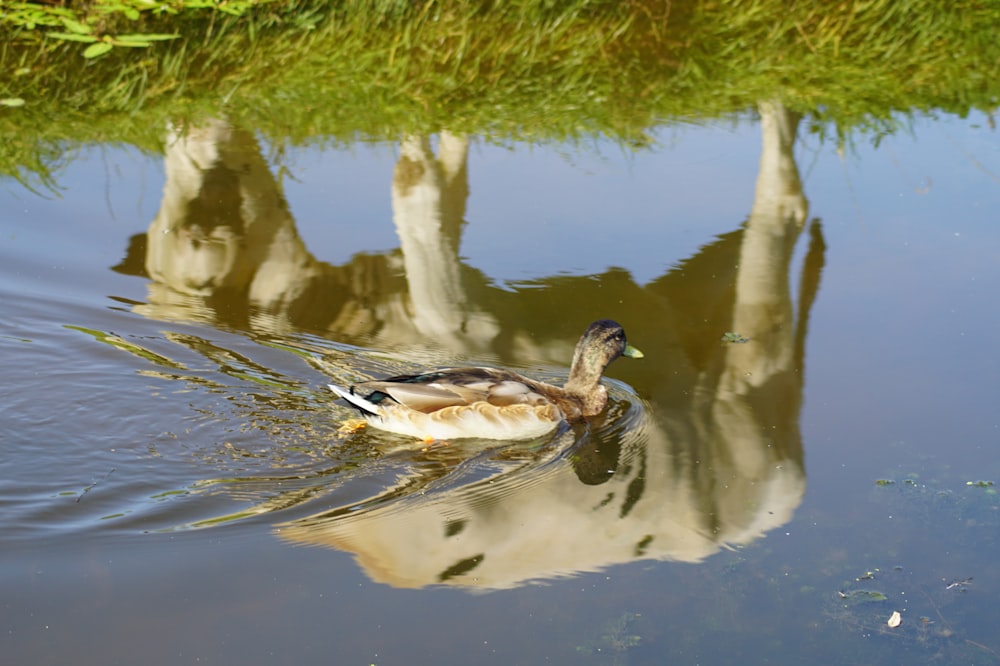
(491, 403)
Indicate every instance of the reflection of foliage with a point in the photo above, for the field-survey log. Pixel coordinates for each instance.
(615, 640)
(130, 347)
(526, 69)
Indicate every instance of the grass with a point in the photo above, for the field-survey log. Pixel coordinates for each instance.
(521, 70)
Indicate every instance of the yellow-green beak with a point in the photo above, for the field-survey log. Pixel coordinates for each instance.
(632, 352)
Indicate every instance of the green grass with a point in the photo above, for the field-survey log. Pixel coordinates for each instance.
(520, 70)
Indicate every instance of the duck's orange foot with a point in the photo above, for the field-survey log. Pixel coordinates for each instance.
(351, 426)
(430, 442)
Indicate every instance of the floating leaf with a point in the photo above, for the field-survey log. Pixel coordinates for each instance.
(131, 45)
(147, 37)
(138, 40)
(884, 482)
(69, 37)
(76, 26)
(129, 12)
(96, 50)
(862, 596)
(894, 620)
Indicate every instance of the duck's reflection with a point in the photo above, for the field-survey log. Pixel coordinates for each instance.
(713, 456)
(633, 495)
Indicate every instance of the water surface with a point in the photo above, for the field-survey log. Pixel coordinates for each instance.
(175, 486)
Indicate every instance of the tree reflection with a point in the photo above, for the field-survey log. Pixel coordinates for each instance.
(711, 455)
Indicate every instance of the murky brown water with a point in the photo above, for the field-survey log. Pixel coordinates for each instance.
(815, 416)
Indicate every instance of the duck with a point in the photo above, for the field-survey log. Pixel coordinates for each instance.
(491, 403)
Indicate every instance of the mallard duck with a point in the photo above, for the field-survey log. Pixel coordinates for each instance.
(490, 403)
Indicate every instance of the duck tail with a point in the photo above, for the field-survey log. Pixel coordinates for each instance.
(366, 407)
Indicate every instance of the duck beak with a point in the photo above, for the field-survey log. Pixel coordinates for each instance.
(632, 352)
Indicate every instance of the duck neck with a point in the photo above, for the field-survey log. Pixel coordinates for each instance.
(584, 383)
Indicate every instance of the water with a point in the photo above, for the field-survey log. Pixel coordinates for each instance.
(176, 488)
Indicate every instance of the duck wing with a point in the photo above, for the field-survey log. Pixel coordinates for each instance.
(421, 397)
(455, 387)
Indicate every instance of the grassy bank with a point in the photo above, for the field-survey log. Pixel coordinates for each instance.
(303, 72)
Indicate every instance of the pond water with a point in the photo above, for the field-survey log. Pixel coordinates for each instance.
(808, 445)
